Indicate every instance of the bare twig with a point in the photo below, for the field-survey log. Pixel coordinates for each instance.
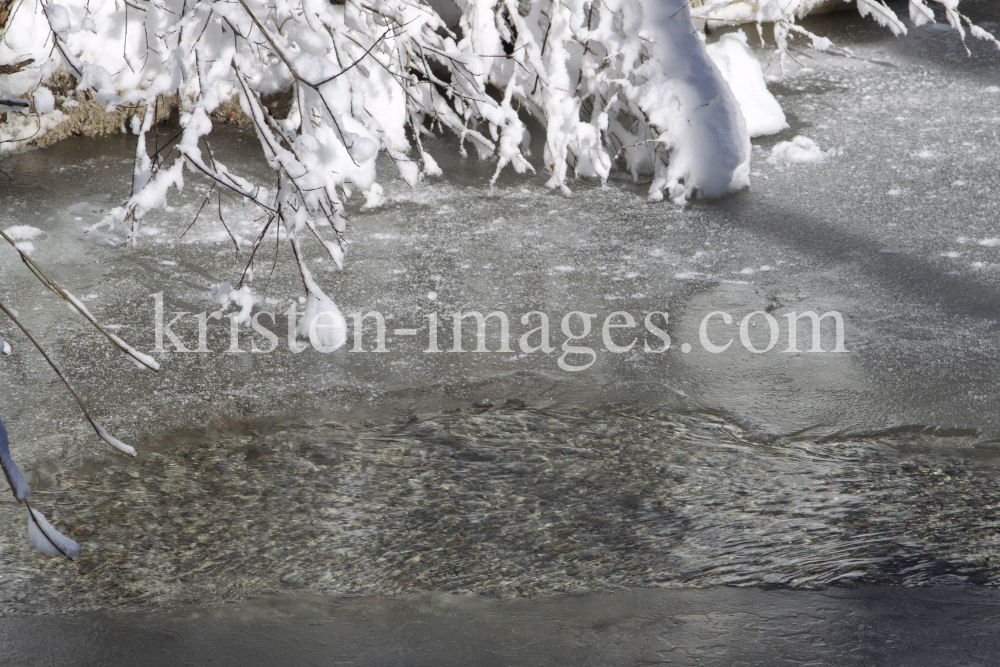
(111, 440)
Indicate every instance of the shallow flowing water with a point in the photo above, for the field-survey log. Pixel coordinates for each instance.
(505, 474)
(510, 503)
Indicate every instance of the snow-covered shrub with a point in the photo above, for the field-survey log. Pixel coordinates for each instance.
(613, 83)
(610, 81)
(626, 83)
(783, 14)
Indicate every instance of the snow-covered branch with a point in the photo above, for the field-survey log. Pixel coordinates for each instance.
(623, 84)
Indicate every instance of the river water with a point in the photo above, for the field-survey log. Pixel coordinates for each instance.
(435, 494)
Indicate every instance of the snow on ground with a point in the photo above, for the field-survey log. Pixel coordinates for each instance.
(741, 70)
(799, 150)
(23, 232)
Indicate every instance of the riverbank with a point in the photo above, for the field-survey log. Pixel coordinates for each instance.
(407, 477)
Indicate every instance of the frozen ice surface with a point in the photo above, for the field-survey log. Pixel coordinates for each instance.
(83, 208)
(861, 234)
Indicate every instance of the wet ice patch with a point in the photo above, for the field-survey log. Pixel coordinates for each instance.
(83, 208)
(799, 150)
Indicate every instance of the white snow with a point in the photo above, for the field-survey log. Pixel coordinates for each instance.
(702, 123)
(43, 100)
(220, 293)
(245, 300)
(47, 539)
(741, 70)
(323, 323)
(112, 440)
(989, 242)
(23, 232)
(799, 150)
(27, 247)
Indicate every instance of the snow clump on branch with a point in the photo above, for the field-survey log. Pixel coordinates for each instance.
(613, 83)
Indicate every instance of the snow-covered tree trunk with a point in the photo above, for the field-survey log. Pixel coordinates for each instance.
(623, 83)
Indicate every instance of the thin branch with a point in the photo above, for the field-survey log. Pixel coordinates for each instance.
(142, 358)
(98, 429)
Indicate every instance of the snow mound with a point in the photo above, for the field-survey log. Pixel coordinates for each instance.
(44, 100)
(23, 232)
(801, 149)
(741, 70)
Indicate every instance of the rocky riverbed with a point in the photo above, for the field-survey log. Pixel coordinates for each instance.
(511, 502)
